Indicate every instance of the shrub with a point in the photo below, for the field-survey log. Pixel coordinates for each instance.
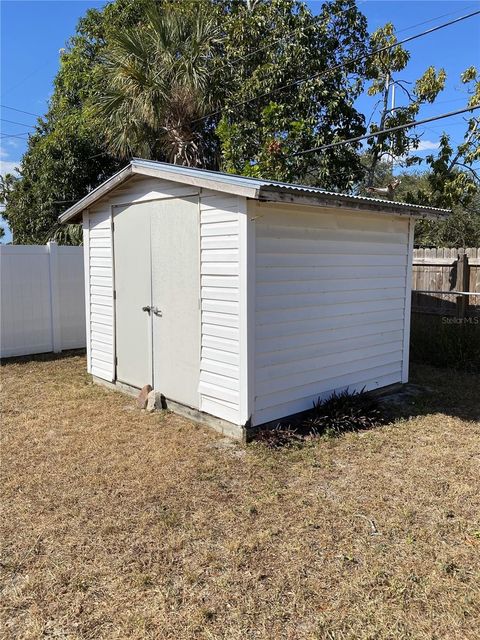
(345, 411)
(340, 412)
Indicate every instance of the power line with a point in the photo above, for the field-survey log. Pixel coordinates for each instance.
(23, 124)
(15, 135)
(444, 15)
(413, 123)
(343, 64)
(29, 75)
(28, 113)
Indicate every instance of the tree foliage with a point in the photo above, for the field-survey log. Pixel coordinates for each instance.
(157, 79)
(66, 155)
(381, 70)
(462, 227)
(7, 182)
(238, 85)
(268, 115)
(453, 178)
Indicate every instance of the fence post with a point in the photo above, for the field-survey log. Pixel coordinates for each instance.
(55, 296)
(462, 284)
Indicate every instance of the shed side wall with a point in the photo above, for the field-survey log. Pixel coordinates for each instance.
(329, 304)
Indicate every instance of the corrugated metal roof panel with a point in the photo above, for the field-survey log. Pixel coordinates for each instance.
(229, 178)
(346, 196)
(248, 187)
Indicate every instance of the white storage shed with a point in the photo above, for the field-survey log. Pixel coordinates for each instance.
(242, 300)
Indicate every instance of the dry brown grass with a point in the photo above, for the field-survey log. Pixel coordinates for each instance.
(119, 524)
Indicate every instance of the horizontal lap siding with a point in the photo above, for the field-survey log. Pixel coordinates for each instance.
(220, 300)
(329, 305)
(100, 293)
(143, 189)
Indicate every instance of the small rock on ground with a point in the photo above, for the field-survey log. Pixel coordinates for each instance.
(142, 397)
(153, 401)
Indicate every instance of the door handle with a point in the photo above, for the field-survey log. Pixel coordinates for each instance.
(147, 309)
(157, 311)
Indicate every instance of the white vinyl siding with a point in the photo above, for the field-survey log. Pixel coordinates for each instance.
(296, 301)
(143, 189)
(330, 303)
(220, 302)
(99, 294)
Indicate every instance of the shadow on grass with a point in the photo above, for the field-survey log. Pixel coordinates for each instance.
(449, 342)
(42, 357)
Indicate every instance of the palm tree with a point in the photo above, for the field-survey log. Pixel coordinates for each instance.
(157, 81)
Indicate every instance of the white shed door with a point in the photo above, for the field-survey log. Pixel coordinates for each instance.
(133, 326)
(176, 295)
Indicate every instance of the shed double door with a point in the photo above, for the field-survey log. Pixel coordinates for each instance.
(157, 284)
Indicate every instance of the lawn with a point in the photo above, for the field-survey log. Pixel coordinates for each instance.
(122, 524)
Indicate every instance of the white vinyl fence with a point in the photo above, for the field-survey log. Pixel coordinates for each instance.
(42, 302)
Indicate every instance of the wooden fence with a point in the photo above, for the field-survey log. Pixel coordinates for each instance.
(446, 282)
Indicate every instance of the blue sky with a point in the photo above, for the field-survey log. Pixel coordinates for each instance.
(34, 31)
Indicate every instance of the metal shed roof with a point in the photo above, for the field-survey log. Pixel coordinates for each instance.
(263, 190)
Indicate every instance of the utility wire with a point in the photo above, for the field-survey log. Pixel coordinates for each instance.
(28, 113)
(444, 15)
(413, 123)
(14, 135)
(343, 64)
(23, 124)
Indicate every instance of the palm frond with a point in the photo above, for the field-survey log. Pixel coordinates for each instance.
(157, 80)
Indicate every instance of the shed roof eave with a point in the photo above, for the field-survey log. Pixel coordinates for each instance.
(74, 213)
(352, 203)
(145, 168)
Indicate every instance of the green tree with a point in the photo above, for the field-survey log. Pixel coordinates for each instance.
(198, 57)
(462, 227)
(7, 182)
(451, 181)
(66, 155)
(267, 114)
(381, 70)
(453, 177)
(158, 83)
